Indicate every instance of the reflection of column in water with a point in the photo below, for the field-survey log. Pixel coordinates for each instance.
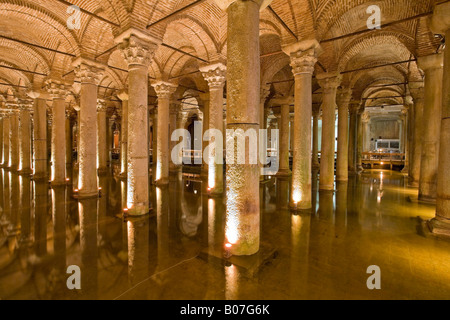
(89, 250)
(59, 233)
(282, 193)
(162, 217)
(25, 210)
(14, 202)
(102, 205)
(300, 230)
(123, 193)
(138, 249)
(231, 282)
(341, 207)
(40, 216)
(315, 187)
(6, 195)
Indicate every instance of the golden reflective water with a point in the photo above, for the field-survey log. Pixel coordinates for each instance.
(322, 255)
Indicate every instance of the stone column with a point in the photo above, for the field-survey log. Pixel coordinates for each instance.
(366, 132)
(303, 59)
(433, 67)
(58, 94)
(352, 141)
(2, 116)
(174, 110)
(265, 92)
(164, 90)
(342, 152)
(102, 158)
(14, 138)
(215, 75)
(69, 139)
(315, 154)
(25, 137)
(359, 140)
(123, 95)
(329, 83)
(6, 138)
(138, 49)
(89, 73)
(283, 125)
(441, 224)
(405, 128)
(417, 92)
(243, 104)
(205, 98)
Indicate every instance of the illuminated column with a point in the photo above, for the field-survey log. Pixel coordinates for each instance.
(352, 141)
(101, 137)
(405, 142)
(342, 152)
(138, 49)
(315, 154)
(164, 91)
(124, 135)
(58, 138)
(441, 224)
(417, 91)
(89, 73)
(329, 83)
(303, 59)
(14, 138)
(359, 140)
(69, 141)
(25, 137)
(283, 125)
(433, 67)
(243, 104)
(174, 110)
(205, 99)
(2, 116)
(6, 135)
(215, 75)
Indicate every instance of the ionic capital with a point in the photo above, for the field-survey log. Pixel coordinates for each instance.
(164, 90)
(215, 75)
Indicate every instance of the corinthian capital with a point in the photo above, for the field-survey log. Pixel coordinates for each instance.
(56, 89)
(215, 75)
(417, 90)
(303, 56)
(101, 105)
(164, 89)
(88, 71)
(138, 48)
(329, 81)
(343, 97)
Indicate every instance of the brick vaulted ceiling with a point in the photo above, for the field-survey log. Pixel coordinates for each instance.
(201, 31)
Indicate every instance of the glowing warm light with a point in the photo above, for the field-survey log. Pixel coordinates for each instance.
(231, 231)
(228, 245)
(76, 190)
(67, 179)
(382, 163)
(297, 196)
(195, 191)
(158, 170)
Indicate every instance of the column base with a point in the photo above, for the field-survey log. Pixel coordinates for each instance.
(405, 170)
(162, 182)
(40, 177)
(215, 194)
(326, 188)
(58, 183)
(88, 195)
(301, 207)
(26, 172)
(138, 211)
(428, 200)
(102, 171)
(284, 173)
(123, 176)
(439, 227)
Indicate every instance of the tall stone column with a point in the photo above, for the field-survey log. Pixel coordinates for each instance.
(417, 92)
(315, 154)
(283, 125)
(205, 99)
(138, 49)
(366, 132)
(303, 59)
(69, 139)
(102, 158)
(58, 93)
(215, 75)
(433, 67)
(329, 83)
(89, 73)
(164, 90)
(174, 110)
(405, 145)
(243, 104)
(6, 138)
(343, 101)
(25, 137)
(14, 156)
(123, 95)
(359, 140)
(441, 224)
(2, 116)
(352, 141)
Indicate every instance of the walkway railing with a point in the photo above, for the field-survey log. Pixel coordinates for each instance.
(380, 158)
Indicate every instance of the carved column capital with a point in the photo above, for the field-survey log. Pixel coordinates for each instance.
(101, 105)
(137, 50)
(88, 71)
(329, 81)
(56, 89)
(164, 90)
(215, 75)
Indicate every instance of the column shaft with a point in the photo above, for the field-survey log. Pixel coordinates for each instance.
(25, 141)
(6, 140)
(59, 142)
(342, 152)
(284, 141)
(14, 142)
(102, 157)
(40, 139)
